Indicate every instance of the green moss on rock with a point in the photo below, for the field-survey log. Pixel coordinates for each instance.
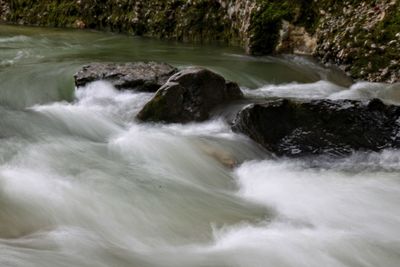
(155, 110)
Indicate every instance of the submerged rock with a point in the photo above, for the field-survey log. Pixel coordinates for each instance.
(142, 76)
(337, 127)
(189, 95)
(224, 157)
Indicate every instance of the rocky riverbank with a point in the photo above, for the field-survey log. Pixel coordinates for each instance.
(361, 37)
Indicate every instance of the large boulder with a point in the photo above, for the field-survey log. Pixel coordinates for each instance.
(337, 127)
(189, 95)
(141, 76)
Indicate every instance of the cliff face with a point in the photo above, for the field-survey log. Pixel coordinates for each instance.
(361, 37)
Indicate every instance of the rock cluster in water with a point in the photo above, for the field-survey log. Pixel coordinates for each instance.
(184, 96)
(285, 127)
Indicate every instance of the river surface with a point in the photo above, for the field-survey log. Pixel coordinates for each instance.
(83, 184)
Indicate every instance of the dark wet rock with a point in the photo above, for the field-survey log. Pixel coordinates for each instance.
(336, 127)
(141, 76)
(189, 95)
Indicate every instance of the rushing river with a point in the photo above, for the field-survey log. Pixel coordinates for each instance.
(83, 184)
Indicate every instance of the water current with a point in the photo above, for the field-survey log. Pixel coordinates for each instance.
(83, 184)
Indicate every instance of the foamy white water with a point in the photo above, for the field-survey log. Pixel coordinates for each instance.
(82, 183)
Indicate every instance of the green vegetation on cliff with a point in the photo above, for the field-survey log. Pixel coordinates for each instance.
(387, 32)
(44, 13)
(362, 37)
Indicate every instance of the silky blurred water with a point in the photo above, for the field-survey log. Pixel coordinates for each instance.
(83, 184)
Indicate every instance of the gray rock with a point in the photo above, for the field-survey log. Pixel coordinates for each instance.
(189, 95)
(141, 76)
(334, 127)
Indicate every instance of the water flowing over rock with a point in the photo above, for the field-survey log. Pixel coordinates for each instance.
(189, 95)
(336, 127)
(140, 76)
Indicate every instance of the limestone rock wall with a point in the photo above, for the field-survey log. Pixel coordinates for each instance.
(239, 14)
(362, 37)
(295, 40)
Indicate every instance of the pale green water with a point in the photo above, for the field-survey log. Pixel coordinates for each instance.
(82, 184)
